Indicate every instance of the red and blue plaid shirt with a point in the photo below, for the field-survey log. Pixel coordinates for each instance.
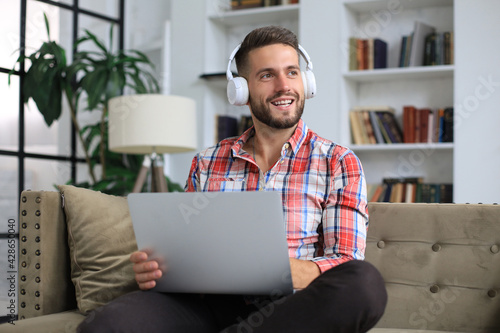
(322, 186)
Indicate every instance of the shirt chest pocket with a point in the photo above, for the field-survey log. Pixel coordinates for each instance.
(225, 185)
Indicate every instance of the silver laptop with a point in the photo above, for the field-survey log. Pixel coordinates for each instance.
(215, 242)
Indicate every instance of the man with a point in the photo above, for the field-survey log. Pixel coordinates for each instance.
(324, 196)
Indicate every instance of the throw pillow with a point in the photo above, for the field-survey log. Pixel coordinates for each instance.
(101, 239)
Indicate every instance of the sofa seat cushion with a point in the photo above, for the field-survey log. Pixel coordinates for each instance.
(101, 239)
(62, 322)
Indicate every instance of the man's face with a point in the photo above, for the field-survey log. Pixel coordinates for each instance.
(275, 86)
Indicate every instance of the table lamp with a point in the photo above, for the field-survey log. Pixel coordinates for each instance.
(151, 124)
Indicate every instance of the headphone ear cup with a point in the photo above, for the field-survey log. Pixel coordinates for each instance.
(237, 91)
(309, 82)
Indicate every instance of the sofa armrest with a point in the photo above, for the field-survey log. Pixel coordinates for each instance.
(45, 284)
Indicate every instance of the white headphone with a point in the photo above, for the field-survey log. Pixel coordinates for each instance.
(237, 87)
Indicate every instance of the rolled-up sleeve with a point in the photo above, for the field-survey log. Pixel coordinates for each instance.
(345, 216)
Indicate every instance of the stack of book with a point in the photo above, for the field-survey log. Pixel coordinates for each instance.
(373, 125)
(426, 47)
(409, 190)
(365, 54)
(426, 125)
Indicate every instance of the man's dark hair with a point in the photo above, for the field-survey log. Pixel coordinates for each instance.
(260, 37)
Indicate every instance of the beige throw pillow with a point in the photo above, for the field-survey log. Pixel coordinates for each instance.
(101, 239)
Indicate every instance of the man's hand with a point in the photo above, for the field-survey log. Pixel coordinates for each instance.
(303, 272)
(146, 272)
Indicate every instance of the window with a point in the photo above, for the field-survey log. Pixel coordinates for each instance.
(33, 155)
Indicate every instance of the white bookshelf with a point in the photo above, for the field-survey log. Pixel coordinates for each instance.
(422, 87)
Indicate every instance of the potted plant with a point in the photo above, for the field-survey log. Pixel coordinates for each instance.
(97, 75)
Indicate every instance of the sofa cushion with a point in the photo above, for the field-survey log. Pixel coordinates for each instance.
(101, 239)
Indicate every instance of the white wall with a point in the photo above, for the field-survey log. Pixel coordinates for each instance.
(477, 101)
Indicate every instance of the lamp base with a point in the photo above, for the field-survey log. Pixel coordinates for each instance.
(152, 172)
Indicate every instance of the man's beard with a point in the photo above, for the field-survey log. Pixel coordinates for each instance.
(262, 112)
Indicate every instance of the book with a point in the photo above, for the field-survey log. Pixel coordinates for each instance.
(447, 123)
(353, 61)
(391, 126)
(379, 53)
(417, 52)
(409, 115)
(226, 127)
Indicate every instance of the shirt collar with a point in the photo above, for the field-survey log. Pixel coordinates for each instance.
(295, 141)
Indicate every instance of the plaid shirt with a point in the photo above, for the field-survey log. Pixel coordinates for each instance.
(322, 185)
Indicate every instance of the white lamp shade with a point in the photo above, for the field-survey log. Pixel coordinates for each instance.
(147, 123)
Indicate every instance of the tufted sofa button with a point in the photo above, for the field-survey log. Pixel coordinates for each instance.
(23, 251)
(436, 247)
(23, 292)
(24, 199)
(38, 200)
(37, 266)
(37, 307)
(37, 226)
(494, 249)
(24, 225)
(37, 279)
(24, 213)
(434, 288)
(23, 305)
(38, 213)
(37, 293)
(492, 293)
(381, 244)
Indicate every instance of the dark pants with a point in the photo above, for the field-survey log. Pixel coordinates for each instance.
(348, 298)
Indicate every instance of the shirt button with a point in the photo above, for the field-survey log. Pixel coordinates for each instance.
(261, 189)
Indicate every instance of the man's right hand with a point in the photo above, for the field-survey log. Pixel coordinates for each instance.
(146, 271)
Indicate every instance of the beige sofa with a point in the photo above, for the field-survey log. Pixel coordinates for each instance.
(441, 262)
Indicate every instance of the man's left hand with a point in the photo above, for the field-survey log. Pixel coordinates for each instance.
(303, 272)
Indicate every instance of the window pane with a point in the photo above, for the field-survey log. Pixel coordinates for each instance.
(44, 175)
(9, 112)
(8, 190)
(39, 137)
(9, 38)
(107, 7)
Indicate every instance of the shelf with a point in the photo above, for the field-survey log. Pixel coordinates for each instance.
(363, 6)
(427, 72)
(397, 147)
(257, 15)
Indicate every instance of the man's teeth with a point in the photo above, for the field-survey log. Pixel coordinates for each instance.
(283, 102)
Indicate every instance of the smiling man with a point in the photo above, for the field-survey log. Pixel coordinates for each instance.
(325, 210)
